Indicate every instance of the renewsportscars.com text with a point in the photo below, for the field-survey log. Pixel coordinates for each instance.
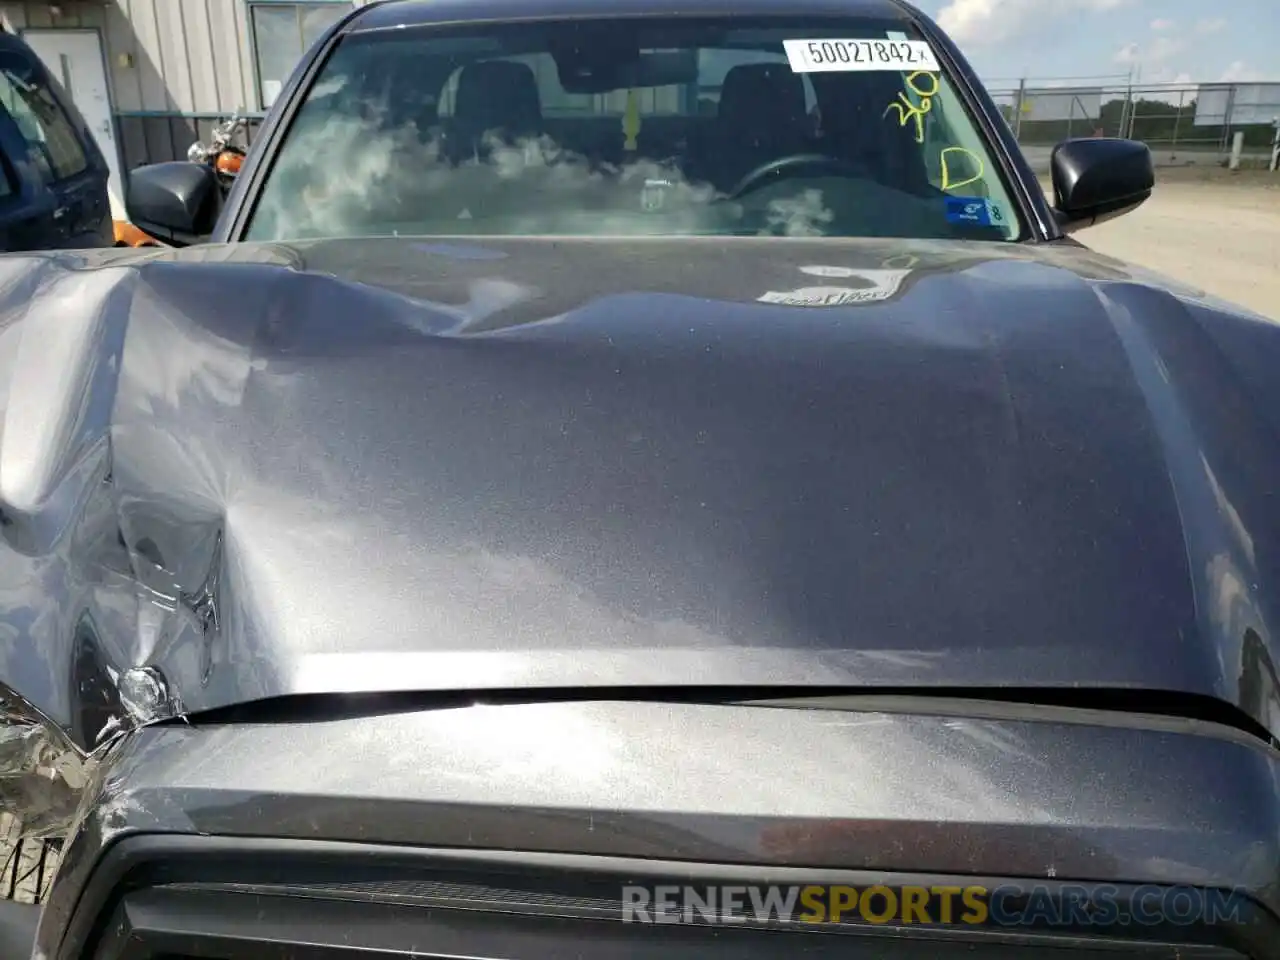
(1009, 905)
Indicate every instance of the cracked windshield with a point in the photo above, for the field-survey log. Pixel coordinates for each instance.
(666, 127)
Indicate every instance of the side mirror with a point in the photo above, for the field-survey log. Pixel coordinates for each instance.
(1095, 179)
(176, 202)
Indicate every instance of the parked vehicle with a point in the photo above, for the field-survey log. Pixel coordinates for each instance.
(127, 235)
(53, 176)
(221, 152)
(486, 513)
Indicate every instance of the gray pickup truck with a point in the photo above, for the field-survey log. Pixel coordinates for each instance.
(565, 501)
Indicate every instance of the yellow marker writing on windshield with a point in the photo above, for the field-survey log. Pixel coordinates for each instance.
(957, 153)
(924, 86)
(631, 121)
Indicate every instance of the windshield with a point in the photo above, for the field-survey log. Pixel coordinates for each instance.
(653, 126)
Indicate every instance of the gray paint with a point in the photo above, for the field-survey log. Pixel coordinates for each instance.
(459, 465)
(590, 463)
(1051, 796)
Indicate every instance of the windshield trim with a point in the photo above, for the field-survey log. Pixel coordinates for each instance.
(1035, 217)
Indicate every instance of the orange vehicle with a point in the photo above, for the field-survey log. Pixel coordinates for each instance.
(127, 235)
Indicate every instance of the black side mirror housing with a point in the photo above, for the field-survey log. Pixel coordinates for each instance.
(1097, 178)
(176, 202)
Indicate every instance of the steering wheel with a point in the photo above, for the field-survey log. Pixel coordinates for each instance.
(796, 165)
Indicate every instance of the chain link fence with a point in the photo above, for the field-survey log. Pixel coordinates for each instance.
(1183, 124)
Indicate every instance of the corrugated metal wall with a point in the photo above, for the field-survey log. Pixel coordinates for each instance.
(174, 66)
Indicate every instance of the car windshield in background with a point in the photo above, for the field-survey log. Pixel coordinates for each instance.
(653, 126)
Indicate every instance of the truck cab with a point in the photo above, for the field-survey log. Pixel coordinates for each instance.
(53, 176)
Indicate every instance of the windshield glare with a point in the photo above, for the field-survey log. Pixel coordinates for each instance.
(658, 127)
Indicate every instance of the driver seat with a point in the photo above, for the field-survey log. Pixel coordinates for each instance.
(496, 98)
(761, 117)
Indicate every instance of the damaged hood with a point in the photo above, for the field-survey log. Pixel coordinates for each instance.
(241, 472)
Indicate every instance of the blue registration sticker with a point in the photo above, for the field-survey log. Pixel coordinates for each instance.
(975, 211)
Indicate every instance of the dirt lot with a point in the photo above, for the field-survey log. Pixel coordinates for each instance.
(1209, 227)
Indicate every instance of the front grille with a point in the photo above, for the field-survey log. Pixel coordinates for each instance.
(171, 897)
(172, 923)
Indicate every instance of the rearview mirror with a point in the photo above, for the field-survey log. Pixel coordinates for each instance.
(1095, 179)
(605, 66)
(176, 202)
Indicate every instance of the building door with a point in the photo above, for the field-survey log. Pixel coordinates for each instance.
(76, 59)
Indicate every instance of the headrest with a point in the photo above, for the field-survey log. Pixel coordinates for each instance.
(762, 95)
(498, 95)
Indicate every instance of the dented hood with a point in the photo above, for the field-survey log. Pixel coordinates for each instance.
(232, 473)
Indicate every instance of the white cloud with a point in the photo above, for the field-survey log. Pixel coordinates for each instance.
(979, 22)
(1057, 83)
(1163, 48)
(1160, 50)
(1178, 88)
(1127, 54)
(1156, 59)
(1240, 72)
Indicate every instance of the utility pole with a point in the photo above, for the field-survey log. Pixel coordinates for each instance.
(1019, 108)
(1135, 78)
(1125, 124)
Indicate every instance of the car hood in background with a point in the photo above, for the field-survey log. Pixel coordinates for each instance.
(231, 473)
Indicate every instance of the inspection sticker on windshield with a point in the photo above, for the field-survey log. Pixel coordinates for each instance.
(820, 56)
(978, 211)
(970, 210)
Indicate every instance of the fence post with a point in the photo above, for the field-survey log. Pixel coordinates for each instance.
(1126, 112)
(1017, 109)
(1237, 148)
(1177, 122)
(1226, 117)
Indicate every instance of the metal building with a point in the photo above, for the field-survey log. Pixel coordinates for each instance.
(152, 76)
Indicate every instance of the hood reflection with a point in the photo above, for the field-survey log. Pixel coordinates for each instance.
(468, 463)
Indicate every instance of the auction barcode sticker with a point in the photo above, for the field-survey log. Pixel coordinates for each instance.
(819, 56)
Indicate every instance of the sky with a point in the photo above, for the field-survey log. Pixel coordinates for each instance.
(1161, 41)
